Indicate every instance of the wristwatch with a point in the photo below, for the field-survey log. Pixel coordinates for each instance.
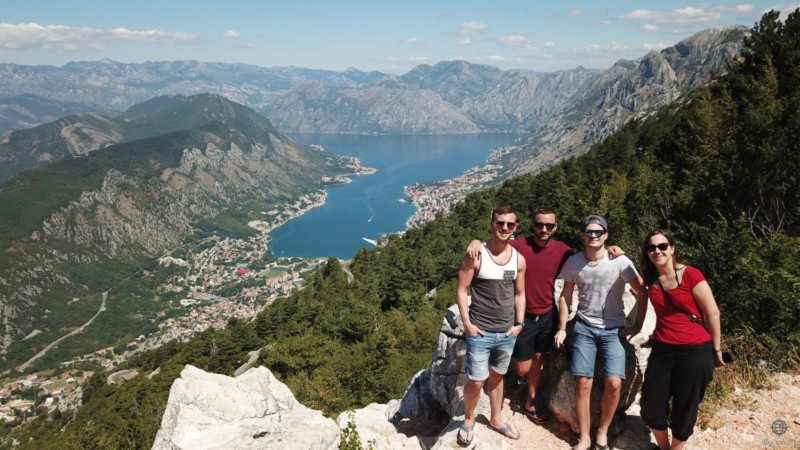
(519, 324)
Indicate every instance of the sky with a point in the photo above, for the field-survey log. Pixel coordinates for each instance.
(387, 36)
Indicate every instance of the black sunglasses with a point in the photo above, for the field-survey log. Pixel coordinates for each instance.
(596, 233)
(652, 247)
(501, 224)
(541, 225)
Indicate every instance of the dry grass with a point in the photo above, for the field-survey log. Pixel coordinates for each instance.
(752, 369)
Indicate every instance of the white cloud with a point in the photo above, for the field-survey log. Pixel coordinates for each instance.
(471, 28)
(413, 41)
(613, 48)
(516, 41)
(549, 44)
(465, 42)
(743, 9)
(576, 12)
(648, 27)
(681, 16)
(604, 23)
(658, 46)
(231, 34)
(420, 59)
(392, 59)
(497, 59)
(64, 38)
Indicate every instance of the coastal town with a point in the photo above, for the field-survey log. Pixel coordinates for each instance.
(218, 278)
(432, 198)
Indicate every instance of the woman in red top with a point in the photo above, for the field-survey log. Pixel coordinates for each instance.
(684, 353)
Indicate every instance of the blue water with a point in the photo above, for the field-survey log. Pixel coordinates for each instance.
(369, 207)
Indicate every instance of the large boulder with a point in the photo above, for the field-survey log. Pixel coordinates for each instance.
(251, 411)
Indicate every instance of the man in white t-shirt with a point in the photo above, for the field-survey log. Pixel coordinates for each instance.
(600, 324)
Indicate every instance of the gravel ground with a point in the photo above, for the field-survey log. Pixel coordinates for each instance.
(764, 419)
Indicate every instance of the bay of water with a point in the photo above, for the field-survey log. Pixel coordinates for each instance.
(369, 206)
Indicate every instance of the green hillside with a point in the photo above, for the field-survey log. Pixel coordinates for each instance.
(79, 226)
(718, 168)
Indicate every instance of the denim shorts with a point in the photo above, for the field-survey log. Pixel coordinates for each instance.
(587, 340)
(490, 349)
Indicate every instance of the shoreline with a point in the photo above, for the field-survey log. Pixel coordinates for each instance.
(432, 198)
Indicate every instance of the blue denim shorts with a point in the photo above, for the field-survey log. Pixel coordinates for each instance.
(587, 340)
(490, 349)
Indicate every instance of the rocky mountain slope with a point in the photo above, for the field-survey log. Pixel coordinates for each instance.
(71, 228)
(628, 90)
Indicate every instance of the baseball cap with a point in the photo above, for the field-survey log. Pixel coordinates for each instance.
(595, 219)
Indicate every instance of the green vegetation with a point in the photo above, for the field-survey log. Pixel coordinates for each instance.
(719, 169)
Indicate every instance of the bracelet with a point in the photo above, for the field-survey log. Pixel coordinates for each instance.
(717, 351)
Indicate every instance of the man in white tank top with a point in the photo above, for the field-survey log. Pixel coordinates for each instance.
(492, 320)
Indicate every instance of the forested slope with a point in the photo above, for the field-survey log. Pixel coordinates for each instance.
(719, 168)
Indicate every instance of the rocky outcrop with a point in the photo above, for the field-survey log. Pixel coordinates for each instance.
(251, 411)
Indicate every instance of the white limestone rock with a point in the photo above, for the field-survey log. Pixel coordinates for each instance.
(375, 431)
(251, 411)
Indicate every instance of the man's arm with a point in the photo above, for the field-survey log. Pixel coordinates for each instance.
(641, 306)
(469, 266)
(474, 248)
(563, 312)
(519, 297)
(615, 251)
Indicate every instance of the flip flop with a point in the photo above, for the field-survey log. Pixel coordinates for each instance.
(600, 447)
(538, 417)
(506, 431)
(467, 431)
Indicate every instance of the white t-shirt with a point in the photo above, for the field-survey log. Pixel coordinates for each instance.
(600, 287)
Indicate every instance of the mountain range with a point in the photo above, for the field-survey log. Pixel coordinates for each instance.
(447, 97)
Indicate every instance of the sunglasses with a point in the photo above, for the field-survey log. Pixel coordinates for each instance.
(595, 233)
(541, 225)
(652, 247)
(501, 224)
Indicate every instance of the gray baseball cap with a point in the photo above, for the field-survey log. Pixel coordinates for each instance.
(596, 219)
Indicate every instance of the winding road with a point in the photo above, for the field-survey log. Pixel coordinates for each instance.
(25, 365)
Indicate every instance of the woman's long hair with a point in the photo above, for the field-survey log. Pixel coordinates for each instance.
(649, 271)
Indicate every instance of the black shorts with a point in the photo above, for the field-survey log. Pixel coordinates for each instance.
(536, 337)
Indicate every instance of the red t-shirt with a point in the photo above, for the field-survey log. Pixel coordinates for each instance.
(542, 266)
(673, 325)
